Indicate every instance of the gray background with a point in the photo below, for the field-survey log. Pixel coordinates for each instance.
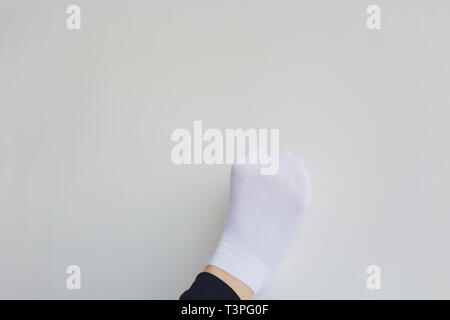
(86, 118)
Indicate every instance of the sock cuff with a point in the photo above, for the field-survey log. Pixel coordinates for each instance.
(241, 265)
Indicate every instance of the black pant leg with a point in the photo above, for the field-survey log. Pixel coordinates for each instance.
(208, 287)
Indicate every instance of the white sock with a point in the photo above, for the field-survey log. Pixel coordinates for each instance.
(263, 217)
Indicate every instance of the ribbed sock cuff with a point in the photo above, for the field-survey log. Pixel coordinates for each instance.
(241, 265)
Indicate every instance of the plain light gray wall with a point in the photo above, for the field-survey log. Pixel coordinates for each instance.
(86, 118)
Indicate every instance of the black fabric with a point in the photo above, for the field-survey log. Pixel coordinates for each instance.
(208, 287)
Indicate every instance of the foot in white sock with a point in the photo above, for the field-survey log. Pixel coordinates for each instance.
(263, 217)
